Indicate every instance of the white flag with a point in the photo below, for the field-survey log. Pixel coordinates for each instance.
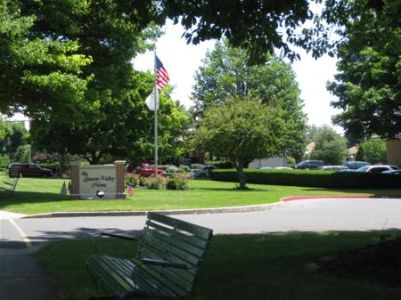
(150, 101)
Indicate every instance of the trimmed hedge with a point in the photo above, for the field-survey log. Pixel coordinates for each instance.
(54, 166)
(312, 178)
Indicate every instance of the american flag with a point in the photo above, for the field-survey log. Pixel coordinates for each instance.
(162, 77)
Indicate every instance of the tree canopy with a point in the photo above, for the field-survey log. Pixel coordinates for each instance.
(256, 25)
(373, 151)
(51, 51)
(369, 78)
(68, 56)
(124, 128)
(76, 80)
(241, 129)
(329, 146)
(227, 72)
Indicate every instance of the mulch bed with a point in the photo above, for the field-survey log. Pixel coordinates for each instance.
(379, 262)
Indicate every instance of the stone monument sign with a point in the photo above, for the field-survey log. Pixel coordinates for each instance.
(98, 181)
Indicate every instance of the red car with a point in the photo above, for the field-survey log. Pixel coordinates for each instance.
(143, 169)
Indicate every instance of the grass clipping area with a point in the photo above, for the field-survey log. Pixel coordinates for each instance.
(261, 266)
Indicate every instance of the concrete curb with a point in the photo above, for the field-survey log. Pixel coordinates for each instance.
(217, 210)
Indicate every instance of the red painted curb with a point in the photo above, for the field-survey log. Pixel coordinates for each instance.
(360, 196)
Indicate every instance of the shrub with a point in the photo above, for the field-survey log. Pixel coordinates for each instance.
(54, 166)
(178, 181)
(155, 183)
(132, 180)
(185, 168)
(312, 178)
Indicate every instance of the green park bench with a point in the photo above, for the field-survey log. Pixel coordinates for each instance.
(166, 263)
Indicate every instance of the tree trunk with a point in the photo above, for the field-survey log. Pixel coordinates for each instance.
(241, 174)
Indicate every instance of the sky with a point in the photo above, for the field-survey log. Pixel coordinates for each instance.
(182, 60)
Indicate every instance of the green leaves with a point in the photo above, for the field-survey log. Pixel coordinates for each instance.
(226, 73)
(329, 146)
(368, 82)
(242, 128)
(373, 151)
(253, 25)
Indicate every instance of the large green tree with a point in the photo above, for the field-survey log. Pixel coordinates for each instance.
(241, 129)
(329, 146)
(373, 151)
(227, 72)
(91, 119)
(369, 78)
(124, 129)
(14, 136)
(39, 70)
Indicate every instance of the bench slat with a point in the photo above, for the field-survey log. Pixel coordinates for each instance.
(111, 275)
(176, 242)
(196, 230)
(174, 253)
(156, 275)
(192, 240)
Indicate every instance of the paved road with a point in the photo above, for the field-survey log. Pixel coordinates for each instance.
(305, 215)
(21, 237)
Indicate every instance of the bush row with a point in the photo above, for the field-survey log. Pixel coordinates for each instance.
(313, 178)
(177, 181)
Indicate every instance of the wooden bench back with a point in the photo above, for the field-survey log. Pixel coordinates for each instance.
(178, 241)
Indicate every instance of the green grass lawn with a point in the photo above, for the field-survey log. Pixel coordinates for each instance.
(42, 195)
(262, 266)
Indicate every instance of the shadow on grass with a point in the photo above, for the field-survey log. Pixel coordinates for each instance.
(258, 266)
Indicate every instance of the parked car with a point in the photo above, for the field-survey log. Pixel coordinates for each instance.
(28, 170)
(334, 168)
(393, 172)
(377, 168)
(309, 164)
(354, 165)
(202, 172)
(143, 169)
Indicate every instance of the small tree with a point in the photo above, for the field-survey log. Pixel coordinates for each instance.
(373, 151)
(241, 130)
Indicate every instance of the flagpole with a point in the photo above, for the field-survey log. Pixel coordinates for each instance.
(155, 116)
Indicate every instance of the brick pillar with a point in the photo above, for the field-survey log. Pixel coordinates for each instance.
(120, 175)
(75, 192)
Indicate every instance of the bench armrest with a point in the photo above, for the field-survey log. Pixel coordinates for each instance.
(164, 263)
(118, 236)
